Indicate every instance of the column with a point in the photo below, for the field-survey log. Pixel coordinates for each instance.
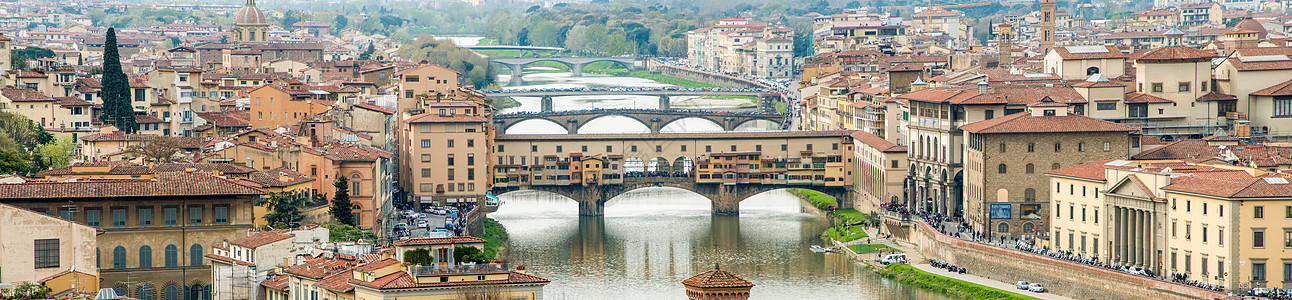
(1139, 238)
(1133, 236)
(1115, 254)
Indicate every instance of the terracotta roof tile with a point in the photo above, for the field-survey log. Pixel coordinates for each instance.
(1180, 149)
(320, 267)
(1216, 96)
(717, 278)
(24, 95)
(229, 260)
(373, 266)
(1111, 53)
(436, 118)
(1280, 89)
(1175, 53)
(1135, 97)
(339, 282)
(1092, 170)
(877, 142)
(438, 241)
(1024, 122)
(166, 184)
(262, 238)
(1230, 187)
(278, 282)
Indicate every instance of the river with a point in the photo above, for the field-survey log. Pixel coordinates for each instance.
(651, 239)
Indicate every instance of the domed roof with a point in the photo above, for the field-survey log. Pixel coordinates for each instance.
(250, 14)
(1253, 25)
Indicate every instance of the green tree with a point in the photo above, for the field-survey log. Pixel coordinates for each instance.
(18, 58)
(116, 88)
(162, 149)
(17, 131)
(341, 205)
(341, 22)
(347, 233)
(367, 54)
(420, 256)
(14, 161)
(462, 254)
(284, 209)
(59, 153)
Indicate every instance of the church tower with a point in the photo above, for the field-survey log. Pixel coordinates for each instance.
(1047, 25)
(250, 25)
(1005, 45)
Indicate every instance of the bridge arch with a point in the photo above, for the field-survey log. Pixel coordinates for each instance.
(618, 62)
(665, 127)
(581, 123)
(532, 122)
(749, 121)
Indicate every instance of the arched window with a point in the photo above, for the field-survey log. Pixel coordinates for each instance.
(1027, 227)
(1029, 195)
(1058, 146)
(1029, 169)
(1002, 228)
(172, 256)
(1031, 147)
(1000, 169)
(1081, 147)
(1092, 71)
(145, 256)
(119, 257)
(195, 292)
(146, 293)
(1054, 166)
(172, 293)
(195, 255)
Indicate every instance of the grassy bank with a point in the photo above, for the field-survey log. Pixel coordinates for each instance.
(503, 102)
(954, 287)
(872, 248)
(818, 199)
(495, 237)
(670, 80)
(780, 107)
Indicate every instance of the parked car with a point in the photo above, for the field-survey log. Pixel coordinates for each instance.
(1036, 288)
(1135, 271)
(1022, 285)
(894, 259)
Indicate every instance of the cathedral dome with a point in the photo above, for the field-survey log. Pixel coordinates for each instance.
(250, 15)
(1253, 25)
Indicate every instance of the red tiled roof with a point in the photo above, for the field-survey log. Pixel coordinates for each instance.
(402, 280)
(1112, 53)
(436, 118)
(1024, 122)
(1001, 95)
(24, 95)
(71, 101)
(262, 238)
(1092, 170)
(339, 282)
(1281, 89)
(1216, 96)
(1175, 53)
(1135, 97)
(1229, 187)
(166, 184)
(373, 266)
(320, 267)
(1260, 65)
(240, 118)
(278, 282)
(1180, 149)
(717, 278)
(375, 108)
(229, 260)
(877, 142)
(439, 241)
(279, 177)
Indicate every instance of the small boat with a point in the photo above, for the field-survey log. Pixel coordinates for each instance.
(819, 249)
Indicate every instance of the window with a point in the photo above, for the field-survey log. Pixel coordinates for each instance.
(451, 160)
(46, 253)
(1287, 271)
(451, 175)
(426, 172)
(1107, 147)
(1000, 169)
(1258, 238)
(426, 143)
(1092, 71)
(1258, 271)
(425, 158)
(195, 215)
(1184, 87)
(1283, 106)
(559, 148)
(172, 256)
(195, 255)
(608, 149)
(471, 143)
(119, 257)
(169, 213)
(1002, 227)
(449, 143)
(1258, 212)
(1029, 169)
(471, 174)
(1287, 238)
(222, 214)
(1058, 147)
(145, 215)
(1031, 147)
(989, 114)
(1157, 87)
(733, 148)
(1287, 212)
(1002, 147)
(1081, 147)
(92, 217)
(145, 256)
(411, 78)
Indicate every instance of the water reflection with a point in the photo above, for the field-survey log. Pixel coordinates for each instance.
(651, 239)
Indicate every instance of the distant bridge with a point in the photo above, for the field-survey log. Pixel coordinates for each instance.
(656, 120)
(576, 64)
(703, 163)
(506, 47)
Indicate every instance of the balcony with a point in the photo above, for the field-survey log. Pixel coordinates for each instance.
(458, 269)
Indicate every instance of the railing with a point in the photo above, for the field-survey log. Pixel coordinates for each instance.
(458, 269)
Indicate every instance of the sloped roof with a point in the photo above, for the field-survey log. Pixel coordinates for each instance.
(1230, 187)
(1175, 53)
(166, 184)
(1092, 170)
(1280, 89)
(717, 278)
(1135, 97)
(1024, 122)
(262, 238)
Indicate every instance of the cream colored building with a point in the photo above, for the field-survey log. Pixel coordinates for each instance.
(448, 152)
(1079, 62)
(737, 45)
(39, 245)
(879, 169)
(1218, 224)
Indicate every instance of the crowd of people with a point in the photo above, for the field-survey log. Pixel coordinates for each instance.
(644, 110)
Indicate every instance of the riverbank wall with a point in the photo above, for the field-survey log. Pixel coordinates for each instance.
(701, 76)
(1062, 277)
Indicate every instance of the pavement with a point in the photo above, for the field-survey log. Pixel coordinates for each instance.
(1008, 287)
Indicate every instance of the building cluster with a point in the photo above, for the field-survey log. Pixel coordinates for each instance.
(740, 46)
(1161, 153)
(232, 118)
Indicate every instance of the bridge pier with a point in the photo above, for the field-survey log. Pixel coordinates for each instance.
(576, 70)
(516, 72)
(545, 103)
(664, 103)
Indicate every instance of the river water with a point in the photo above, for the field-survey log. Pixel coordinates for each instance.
(651, 239)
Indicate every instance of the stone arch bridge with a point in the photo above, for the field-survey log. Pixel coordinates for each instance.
(653, 119)
(726, 198)
(576, 64)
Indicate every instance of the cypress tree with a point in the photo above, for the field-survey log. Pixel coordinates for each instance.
(341, 205)
(116, 88)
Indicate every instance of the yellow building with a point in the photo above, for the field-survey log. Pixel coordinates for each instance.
(274, 105)
(42, 248)
(447, 150)
(1205, 222)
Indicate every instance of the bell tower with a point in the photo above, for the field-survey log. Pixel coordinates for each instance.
(1047, 25)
